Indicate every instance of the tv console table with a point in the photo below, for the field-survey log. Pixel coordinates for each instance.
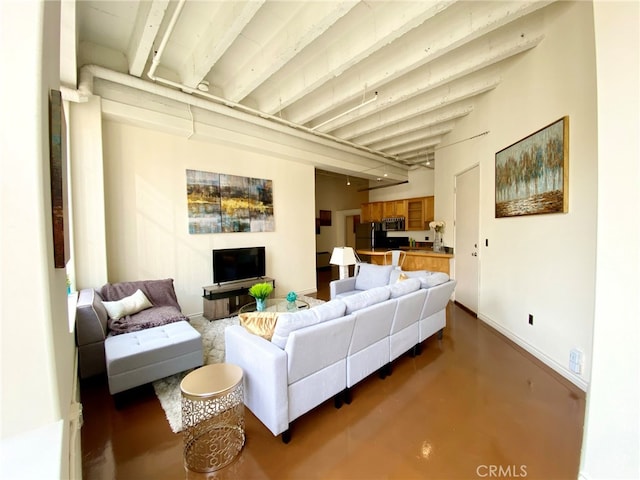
(223, 300)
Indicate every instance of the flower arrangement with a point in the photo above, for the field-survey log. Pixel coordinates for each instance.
(261, 291)
(438, 226)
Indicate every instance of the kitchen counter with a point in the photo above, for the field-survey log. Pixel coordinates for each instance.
(418, 258)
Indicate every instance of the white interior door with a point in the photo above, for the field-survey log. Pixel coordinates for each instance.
(467, 237)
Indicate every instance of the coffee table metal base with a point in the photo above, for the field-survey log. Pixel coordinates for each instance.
(213, 427)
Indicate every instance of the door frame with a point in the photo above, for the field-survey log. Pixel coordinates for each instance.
(455, 229)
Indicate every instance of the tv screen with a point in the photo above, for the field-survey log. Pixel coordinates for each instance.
(231, 264)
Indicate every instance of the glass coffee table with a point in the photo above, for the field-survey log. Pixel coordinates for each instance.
(276, 305)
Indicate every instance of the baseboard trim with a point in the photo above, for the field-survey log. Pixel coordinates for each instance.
(565, 373)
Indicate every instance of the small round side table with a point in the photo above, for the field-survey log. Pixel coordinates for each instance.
(212, 416)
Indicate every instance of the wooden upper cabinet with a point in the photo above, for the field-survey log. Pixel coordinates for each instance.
(394, 208)
(429, 209)
(365, 213)
(371, 212)
(415, 214)
(419, 213)
(416, 211)
(376, 211)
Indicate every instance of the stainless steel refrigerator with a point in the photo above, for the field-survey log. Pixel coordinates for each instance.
(370, 236)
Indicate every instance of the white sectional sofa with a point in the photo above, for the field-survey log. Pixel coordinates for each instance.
(323, 352)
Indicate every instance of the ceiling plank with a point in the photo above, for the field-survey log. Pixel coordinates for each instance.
(415, 106)
(424, 121)
(427, 133)
(451, 30)
(414, 148)
(148, 21)
(369, 28)
(306, 26)
(233, 18)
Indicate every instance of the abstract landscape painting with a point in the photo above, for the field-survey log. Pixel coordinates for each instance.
(221, 203)
(532, 175)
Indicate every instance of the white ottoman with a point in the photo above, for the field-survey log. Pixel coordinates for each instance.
(137, 358)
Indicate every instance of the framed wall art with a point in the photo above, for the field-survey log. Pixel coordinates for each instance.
(532, 175)
(58, 180)
(325, 218)
(221, 203)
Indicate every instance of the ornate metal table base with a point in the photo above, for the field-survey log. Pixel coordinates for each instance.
(212, 416)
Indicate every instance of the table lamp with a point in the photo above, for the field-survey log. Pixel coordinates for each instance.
(343, 257)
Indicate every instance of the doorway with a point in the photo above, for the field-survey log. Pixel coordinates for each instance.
(467, 213)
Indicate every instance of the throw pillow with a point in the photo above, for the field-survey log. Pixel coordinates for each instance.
(259, 323)
(128, 305)
(371, 276)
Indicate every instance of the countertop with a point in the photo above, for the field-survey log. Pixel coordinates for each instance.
(411, 251)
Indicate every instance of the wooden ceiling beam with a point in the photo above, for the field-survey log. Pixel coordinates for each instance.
(369, 27)
(274, 50)
(467, 25)
(438, 130)
(226, 24)
(148, 21)
(418, 123)
(415, 106)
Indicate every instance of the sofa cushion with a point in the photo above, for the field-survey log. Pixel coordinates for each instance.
(406, 286)
(329, 310)
(259, 323)
(289, 322)
(436, 278)
(364, 299)
(372, 276)
(128, 305)
(427, 279)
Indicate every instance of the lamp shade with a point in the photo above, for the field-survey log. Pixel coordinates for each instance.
(343, 256)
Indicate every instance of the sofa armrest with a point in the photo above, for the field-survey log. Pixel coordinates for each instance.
(336, 287)
(91, 318)
(437, 298)
(265, 376)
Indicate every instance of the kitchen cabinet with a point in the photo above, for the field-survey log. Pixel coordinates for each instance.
(429, 208)
(419, 213)
(371, 212)
(415, 260)
(394, 208)
(416, 211)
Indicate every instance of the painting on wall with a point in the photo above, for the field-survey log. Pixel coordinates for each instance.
(58, 173)
(532, 175)
(325, 218)
(221, 203)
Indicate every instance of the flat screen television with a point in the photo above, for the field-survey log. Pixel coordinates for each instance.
(233, 264)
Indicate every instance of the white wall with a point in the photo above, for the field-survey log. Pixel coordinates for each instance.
(146, 212)
(544, 264)
(611, 446)
(37, 350)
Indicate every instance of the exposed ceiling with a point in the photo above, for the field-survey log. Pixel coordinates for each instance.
(390, 78)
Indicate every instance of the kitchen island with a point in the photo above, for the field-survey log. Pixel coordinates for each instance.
(423, 259)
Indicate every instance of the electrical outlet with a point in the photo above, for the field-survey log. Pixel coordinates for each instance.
(530, 319)
(575, 361)
(426, 238)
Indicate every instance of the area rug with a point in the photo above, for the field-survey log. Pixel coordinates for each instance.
(168, 389)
